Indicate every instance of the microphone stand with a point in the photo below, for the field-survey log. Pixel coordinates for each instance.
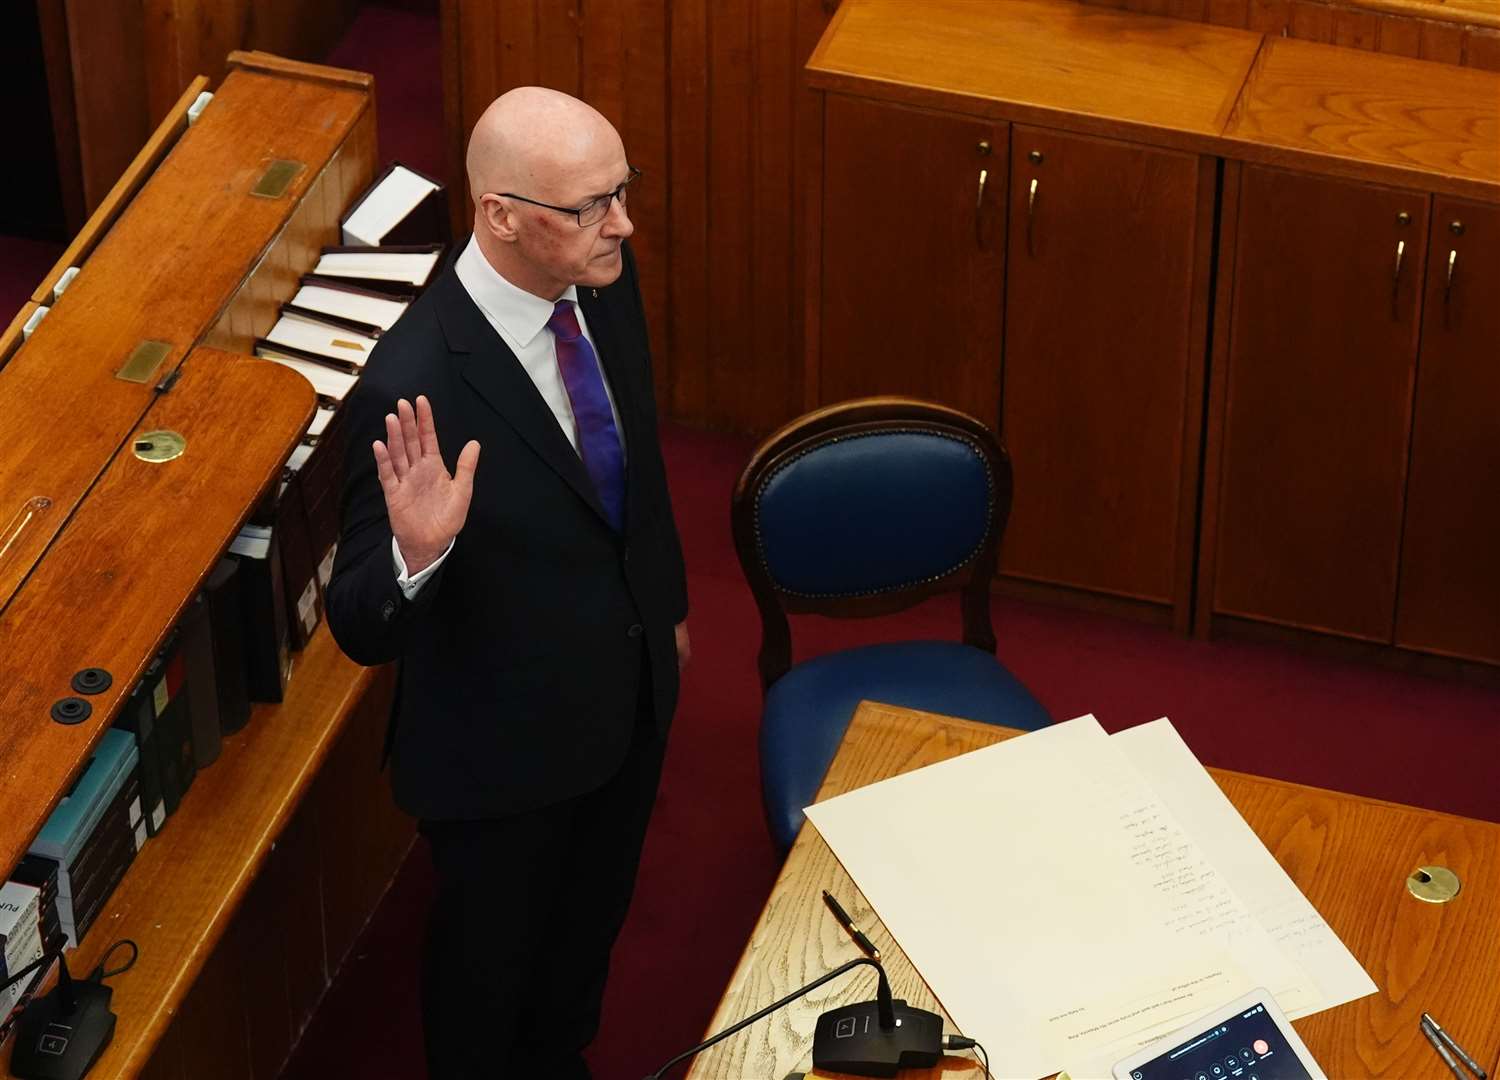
(914, 1039)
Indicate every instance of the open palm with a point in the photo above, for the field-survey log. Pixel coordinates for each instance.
(427, 506)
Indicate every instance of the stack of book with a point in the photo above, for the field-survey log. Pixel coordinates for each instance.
(95, 832)
(20, 942)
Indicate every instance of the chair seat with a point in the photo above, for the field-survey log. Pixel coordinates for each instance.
(808, 708)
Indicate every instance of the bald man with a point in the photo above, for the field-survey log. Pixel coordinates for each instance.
(509, 542)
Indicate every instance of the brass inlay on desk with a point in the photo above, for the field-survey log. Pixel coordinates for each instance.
(277, 178)
(145, 358)
(159, 446)
(1434, 884)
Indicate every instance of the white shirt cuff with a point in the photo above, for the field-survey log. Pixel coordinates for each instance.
(411, 585)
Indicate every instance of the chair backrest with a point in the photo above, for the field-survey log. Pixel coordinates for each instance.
(868, 507)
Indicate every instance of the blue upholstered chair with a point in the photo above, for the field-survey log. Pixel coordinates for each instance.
(866, 508)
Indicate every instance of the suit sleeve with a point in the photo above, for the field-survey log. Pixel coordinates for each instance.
(676, 579)
(368, 614)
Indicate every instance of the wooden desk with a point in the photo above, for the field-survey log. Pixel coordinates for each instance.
(1349, 855)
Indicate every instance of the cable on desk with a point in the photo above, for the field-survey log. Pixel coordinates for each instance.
(963, 1042)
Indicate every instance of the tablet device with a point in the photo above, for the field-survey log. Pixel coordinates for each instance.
(1248, 1039)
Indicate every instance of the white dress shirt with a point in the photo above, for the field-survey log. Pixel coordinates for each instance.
(520, 318)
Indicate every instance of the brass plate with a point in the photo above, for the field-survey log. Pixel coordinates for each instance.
(160, 445)
(143, 361)
(277, 178)
(1434, 884)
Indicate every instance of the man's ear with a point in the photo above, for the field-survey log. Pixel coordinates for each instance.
(498, 217)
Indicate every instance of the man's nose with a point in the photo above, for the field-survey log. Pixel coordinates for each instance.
(617, 222)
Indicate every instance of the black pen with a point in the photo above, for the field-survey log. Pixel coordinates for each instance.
(847, 923)
(1437, 1030)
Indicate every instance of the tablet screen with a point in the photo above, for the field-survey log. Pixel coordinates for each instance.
(1246, 1046)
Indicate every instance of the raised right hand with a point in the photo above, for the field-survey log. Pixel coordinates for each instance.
(427, 507)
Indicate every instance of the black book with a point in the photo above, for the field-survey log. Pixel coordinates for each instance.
(139, 718)
(322, 488)
(42, 872)
(101, 886)
(203, 692)
(282, 510)
(268, 659)
(223, 592)
(174, 724)
(121, 818)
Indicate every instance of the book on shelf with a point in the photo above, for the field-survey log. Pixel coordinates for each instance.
(42, 872)
(402, 206)
(172, 696)
(327, 339)
(267, 646)
(394, 269)
(330, 296)
(138, 717)
(222, 590)
(196, 627)
(282, 512)
(331, 384)
(20, 927)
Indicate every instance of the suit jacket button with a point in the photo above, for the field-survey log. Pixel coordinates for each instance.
(636, 630)
(387, 609)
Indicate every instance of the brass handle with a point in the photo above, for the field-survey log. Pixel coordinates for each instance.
(1396, 276)
(1031, 217)
(984, 176)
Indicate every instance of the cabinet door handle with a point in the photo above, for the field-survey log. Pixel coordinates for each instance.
(1396, 277)
(984, 176)
(1448, 285)
(1031, 217)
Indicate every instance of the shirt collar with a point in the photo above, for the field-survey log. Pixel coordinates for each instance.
(520, 313)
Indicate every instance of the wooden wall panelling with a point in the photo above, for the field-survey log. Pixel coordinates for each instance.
(1104, 332)
(689, 208)
(260, 929)
(212, 1027)
(52, 22)
(1312, 21)
(295, 865)
(1356, 29)
(731, 368)
(1482, 49)
(1320, 369)
(1400, 36)
(105, 45)
(1228, 12)
(361, 836)
(1442, 42)
(166, 1059)
(1450, 572)
(807, 172)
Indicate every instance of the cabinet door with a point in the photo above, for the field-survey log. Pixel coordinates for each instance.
(1098, 352)
(1322, 353)
(1450, 551)
(913, 256)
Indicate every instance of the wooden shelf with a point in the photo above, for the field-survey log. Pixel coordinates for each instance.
(180, 894)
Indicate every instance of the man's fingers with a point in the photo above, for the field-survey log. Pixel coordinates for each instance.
(426, 429)
(409, 432)
(383, 468)
(395, 443)
(463, 470)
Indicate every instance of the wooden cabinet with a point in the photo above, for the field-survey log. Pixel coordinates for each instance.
(1323, 322)
(1086, 282)
(1355, 488)
(913, 256)
(1105, 318)
(1450, 551)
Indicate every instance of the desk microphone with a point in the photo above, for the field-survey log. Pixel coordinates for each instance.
(60, 1035)
(900, 1037)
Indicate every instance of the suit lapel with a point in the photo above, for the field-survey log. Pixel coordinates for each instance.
(494, 373)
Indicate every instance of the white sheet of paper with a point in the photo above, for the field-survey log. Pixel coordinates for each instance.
(385, 206)
(348, 346)
(1160, 755)
(376, 310)
(1051, 901)
(412, 267)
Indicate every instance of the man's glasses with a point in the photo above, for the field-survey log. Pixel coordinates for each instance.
(591, 212)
